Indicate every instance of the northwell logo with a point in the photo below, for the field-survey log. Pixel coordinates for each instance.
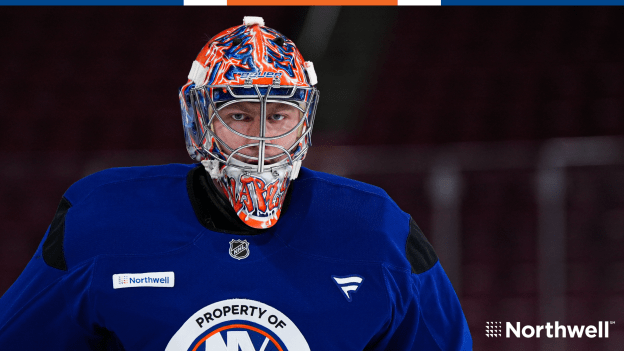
(493, 329)
(548, 330)
(152, 279)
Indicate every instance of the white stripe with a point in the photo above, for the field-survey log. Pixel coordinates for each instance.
(264, 344)
(348, 280)
(420, 2)
(205, 2)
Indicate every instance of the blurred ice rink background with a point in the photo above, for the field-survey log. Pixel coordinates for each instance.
(500, 130)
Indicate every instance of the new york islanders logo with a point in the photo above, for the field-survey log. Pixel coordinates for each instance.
(238, 324)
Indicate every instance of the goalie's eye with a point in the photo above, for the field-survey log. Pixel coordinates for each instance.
(277, 117)
(238, 117)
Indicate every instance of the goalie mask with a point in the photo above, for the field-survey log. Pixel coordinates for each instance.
(248, 109)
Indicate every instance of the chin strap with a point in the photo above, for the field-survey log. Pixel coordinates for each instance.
(295, 169)
(212, 167)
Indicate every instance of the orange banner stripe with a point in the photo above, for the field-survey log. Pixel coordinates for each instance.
(311, 2)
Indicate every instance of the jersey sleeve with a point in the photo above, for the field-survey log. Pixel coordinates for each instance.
(49, 305)
(425, 311)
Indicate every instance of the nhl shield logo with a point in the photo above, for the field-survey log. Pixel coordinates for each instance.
(239, 249)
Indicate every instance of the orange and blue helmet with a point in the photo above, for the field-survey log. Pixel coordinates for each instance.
(248, 110)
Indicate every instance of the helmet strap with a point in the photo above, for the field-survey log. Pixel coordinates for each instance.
(212, 167)
(295, 169)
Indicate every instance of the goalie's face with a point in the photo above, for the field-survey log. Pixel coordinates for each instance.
(241, 125)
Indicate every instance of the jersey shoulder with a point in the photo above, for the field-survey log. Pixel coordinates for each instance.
(131, 210)
(82, 188)
(321, 178)
(351, 220)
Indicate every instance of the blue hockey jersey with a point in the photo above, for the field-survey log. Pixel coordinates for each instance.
(128, 264)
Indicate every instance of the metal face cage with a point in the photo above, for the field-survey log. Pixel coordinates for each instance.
(202, 117)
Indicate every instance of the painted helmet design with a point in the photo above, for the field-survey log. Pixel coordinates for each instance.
(248, 110)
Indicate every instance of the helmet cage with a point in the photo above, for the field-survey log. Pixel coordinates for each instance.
(201, 106)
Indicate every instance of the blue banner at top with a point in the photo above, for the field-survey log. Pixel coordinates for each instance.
(92, 2)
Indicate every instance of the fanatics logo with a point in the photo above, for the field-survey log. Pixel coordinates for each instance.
(239, 249)
(348, 284)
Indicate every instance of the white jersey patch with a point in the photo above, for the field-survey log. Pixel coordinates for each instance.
(152, 279)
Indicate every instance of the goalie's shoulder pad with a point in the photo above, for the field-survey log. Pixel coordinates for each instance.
(418, 250)
(53, 252)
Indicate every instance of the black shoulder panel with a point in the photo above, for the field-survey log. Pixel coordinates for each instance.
(53, 254)
(418, 250)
